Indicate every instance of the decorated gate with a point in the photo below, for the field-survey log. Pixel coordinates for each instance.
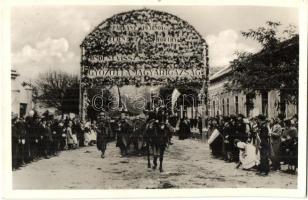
(142, 47)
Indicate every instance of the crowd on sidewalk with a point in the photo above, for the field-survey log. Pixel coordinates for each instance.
(256, 143)
(35, 137)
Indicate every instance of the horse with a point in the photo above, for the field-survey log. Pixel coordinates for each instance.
(156, 136)
(138, 135)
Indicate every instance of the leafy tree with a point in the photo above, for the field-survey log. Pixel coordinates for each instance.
(274, 67)
(58, 89)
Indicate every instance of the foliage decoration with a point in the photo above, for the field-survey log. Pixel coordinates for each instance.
(141, 39)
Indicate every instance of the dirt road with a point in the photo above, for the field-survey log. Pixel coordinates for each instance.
(187, 164)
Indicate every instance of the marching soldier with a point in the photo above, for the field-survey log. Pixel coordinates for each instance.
(123, 133)
(102, 134)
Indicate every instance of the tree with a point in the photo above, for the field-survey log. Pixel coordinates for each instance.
(58, 89)
(274, 67)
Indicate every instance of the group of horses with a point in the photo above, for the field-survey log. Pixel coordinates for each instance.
(149, 136)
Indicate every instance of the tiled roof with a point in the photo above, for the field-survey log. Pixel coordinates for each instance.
(221, 73)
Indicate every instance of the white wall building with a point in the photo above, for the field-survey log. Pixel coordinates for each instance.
(225, 103)
(21, 95)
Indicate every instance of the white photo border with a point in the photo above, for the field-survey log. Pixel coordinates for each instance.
(5, 116)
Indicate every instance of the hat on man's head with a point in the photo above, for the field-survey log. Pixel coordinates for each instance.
(100, 115)
(261, 117)
(240, 115)
(232, 117)
(281, 116)
(43, 119)
(14, 116)
(287, 122)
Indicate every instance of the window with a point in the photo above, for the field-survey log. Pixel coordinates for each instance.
(22, 109)
(218, 107)
(228, 107)
(249, 104)
(236, 104)
(264, 97)
(214, 108)
(223, 107)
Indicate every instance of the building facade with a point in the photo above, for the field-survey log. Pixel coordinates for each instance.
(21, 95)
(225, 103)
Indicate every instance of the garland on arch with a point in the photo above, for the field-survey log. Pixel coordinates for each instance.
(141, 39)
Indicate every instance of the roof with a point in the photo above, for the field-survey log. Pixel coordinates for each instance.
(221, 73)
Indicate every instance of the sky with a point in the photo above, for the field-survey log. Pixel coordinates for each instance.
(49, 37)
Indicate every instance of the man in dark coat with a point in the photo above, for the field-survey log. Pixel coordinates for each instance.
(32, 124)
(226, 129)
(290, 146)
(240, 129)
(56, 136)
(264, 166)
(184, 131)
(78, 131)
(21, 127)
(15, 142)
(46, 140)
(232, 137)
(102, 134)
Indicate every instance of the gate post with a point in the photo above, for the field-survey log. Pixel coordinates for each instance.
(204, 97)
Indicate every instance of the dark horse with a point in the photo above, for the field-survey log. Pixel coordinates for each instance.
(138, 137)
(156, 137)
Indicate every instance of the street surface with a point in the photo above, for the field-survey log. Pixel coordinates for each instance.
(187, 164)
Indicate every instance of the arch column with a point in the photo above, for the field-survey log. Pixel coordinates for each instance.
(204, 94)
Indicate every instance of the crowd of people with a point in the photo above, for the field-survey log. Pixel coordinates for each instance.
(257, 143)
(35, 137)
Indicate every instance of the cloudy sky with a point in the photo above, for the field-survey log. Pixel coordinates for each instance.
(46, 38)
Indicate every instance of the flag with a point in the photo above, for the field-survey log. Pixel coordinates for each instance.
(174, 97)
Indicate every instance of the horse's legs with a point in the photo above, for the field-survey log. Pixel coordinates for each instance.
(148, 155)
(155, 162)
(155, 156)
(161, 158)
